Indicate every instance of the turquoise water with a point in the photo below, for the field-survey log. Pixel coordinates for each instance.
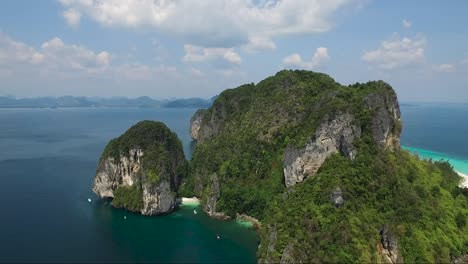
(438, 132)
(458, 164)
(47, 165)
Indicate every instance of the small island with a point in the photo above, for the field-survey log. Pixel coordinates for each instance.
(142, 169)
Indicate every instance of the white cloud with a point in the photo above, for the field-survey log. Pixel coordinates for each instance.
(214, 22)
(444, 68)
(259, 43)
(319, 59)
(396, 53)
(406, 23)
(58, 59)
(200, 54)
(72, 17)
(14, 52)
(59, 56)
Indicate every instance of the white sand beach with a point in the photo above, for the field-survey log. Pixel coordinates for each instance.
(464, 183)
(190, 201)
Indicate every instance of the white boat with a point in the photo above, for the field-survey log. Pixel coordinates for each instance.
(89, 200)
(194, 211)
(125, 217)
(217, 236)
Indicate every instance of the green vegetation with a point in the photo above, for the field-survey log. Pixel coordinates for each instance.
(248, 130)
(130, 198)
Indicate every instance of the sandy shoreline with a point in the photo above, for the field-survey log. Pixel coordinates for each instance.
(191, 201)
(464, 183)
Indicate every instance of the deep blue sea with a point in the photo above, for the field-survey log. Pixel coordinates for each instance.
(48, 159)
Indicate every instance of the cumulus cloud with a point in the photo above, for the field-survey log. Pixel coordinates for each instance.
(59, 59)
(214, 22)
(319, 59)
(72, 17)
(406, 23)
(62, 57)
(396, 53)
(259, 43)
(13, 52)
(200, 54)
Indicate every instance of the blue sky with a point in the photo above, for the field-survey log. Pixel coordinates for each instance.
(186, 48)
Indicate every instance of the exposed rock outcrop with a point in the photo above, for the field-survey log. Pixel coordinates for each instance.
(336, 197)
(287, 257)
(111, 173)
(195, 124)
(386, 123)
(459, 260)
(142, 169)
(270, 244)
(212, 196)
(332, 136)
(388, 247)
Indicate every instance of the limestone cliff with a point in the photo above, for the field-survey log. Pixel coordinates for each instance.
(386, 123)
(142, 169)
(332, 136)
(195, 124)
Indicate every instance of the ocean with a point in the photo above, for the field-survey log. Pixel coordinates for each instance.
(48, 159)
(438, 132)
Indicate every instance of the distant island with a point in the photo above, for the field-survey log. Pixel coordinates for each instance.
(75, 101)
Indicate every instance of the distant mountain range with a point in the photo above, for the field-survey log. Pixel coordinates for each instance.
(73, 101)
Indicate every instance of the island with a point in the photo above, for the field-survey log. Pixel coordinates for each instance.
(316, 165)
(142, 169)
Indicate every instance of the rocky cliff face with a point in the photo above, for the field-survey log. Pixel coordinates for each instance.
(146, 178)
(388, 248)
(332, 136)
(195, 124)
(111, 174)
(386, 123)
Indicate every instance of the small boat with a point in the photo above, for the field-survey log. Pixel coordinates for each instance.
(89, 200)
(217, 236)
(125, 217)
(194, 211)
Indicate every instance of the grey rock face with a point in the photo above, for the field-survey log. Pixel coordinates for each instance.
(336, 197)
(389, 247)
(214, 122)
(460, 260)
(157, 198)
(213, 196)
(271, 243)
(287, 257)
(112, 174)
(195, 124)
(333, 136)
(386, 120)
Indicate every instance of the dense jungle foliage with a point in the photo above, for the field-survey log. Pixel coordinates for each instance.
(247, 130)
